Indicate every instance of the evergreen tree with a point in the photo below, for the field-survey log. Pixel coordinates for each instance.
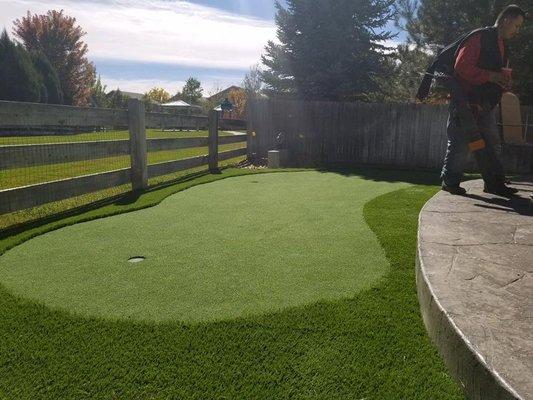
(50, 80)
(401, 85)
(176, 97)
(19, 80)
(252, 83)
(521, 56)
(192, 91)
(433, 24)
(117, 99)
(98, 95)
(328, 49)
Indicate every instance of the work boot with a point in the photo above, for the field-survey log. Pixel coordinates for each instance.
(500, 190)
(455, 190)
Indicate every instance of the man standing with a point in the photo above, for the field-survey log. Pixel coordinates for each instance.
(476, 89)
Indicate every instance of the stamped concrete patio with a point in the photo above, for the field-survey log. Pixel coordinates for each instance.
(475, 286)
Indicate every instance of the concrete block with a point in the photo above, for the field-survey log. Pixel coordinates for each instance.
(277, 158)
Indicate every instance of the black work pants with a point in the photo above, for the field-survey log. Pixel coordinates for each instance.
(462, 120)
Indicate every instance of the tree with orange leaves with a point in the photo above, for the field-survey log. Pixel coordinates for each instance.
(237, 97)
(57, 36)
(157, 94)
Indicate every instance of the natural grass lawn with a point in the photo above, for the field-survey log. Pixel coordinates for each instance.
(16, 177)
(10, 178)
(371, 344)
(107, 135)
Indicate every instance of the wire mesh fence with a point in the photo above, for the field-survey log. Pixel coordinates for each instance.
(156, 157)
(41, 145)
(70, 157)
(29, 157)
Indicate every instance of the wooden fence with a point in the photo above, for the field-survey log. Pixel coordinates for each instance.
(398, 135)
(15, 115)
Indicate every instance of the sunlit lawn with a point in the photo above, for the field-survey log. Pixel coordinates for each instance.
(107, 135)
(43, 173)
(368, 344)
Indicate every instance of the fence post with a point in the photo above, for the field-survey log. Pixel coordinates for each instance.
(137, 128)
(213, 141)
(250, 133)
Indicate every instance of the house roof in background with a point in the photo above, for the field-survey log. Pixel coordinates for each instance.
(132, 95)
(177, 103)
(224, 93)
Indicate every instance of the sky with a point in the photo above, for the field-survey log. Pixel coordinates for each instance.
(140, 44)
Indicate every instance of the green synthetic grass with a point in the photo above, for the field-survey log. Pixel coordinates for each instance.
(8, 221)
(236, 247)
(372, 345)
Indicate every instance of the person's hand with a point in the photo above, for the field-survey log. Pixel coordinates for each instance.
(500, 79)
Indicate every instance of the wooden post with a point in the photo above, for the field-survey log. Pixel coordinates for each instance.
(213, 141)
(250, 130)
(137, 128)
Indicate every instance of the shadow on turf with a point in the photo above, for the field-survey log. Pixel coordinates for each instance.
(132, 197)
(373, 173)
(517, 204)
(384, 173)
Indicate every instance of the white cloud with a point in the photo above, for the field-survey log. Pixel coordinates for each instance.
(210, 86)
(140, 85)
(175, 32)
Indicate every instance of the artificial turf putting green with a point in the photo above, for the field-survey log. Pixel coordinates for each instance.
(372, 345)
(235, 247)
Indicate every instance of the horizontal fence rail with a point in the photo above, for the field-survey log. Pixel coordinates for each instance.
(28, 115)
(25, 155)
(231, 139)
(174, 144)
(170, 167)
(163, 120)
(15, 156)
(226, 155)
(35, 195)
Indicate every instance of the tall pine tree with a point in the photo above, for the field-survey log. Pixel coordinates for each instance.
(435, 23)
(50, 80)
(192, 91)
(99, 97)
(329, 50)
(19, 80)
(401, 85)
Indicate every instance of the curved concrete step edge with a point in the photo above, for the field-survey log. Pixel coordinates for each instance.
(465, 364)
